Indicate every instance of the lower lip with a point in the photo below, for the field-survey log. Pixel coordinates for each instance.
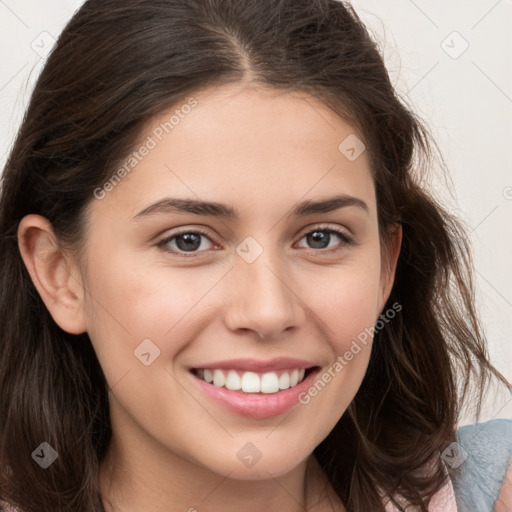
(256, 405)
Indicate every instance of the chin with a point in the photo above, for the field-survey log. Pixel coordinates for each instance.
(267, 466)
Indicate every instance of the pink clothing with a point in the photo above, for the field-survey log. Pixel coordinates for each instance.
(443, 501)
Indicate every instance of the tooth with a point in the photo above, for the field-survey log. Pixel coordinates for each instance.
(250, 382)
(218, 378)
(269, 383)
(284, 380)
(233, 381)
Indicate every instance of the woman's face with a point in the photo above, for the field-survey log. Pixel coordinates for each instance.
(258, 286)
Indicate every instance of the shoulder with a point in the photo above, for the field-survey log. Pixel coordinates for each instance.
(498, 429)
(478, 468)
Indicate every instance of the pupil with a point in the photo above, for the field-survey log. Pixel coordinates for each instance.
(191, 241)
(319, 237)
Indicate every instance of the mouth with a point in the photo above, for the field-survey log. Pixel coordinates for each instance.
(253, 382)
(255, 394)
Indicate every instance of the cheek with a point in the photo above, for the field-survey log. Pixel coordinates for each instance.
(130, 303)
(346, 298)
(346, 304)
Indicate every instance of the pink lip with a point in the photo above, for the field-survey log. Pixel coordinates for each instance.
(258, 366)
(256, 405)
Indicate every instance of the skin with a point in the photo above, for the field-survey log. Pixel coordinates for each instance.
(504, 501)
(261, 152)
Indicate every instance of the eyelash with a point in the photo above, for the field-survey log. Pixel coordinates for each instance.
(346, 241)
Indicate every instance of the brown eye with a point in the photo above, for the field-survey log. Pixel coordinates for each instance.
(184, 242)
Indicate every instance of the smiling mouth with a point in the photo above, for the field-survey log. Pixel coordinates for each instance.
(253, 382)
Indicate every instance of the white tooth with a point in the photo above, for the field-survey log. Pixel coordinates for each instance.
(269, 383)
(294, 378)
(233, 381)
(250, 382)
(208, 375)
(301, 374)
(219, 379)
(284, 380)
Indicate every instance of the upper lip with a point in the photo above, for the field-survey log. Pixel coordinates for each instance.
(257, 365)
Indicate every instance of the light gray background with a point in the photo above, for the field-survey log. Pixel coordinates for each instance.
(465, 95)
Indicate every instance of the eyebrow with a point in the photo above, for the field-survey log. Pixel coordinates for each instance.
(215, 209)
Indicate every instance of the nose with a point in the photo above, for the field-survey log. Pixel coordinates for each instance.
(262, 297)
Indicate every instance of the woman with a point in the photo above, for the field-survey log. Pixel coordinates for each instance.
(223, 286)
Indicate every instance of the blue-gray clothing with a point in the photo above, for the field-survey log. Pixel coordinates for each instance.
(478, 479)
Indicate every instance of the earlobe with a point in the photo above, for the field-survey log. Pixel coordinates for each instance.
(58, 283)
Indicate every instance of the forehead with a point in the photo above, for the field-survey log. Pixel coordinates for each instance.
(244, 143)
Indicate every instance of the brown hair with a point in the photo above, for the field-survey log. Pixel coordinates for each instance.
(117, 64)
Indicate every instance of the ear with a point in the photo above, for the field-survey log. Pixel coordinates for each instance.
(388, 265)
(54, 275)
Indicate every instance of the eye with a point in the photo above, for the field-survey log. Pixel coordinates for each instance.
(321, 237)
(186, 241)
(190, 241)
